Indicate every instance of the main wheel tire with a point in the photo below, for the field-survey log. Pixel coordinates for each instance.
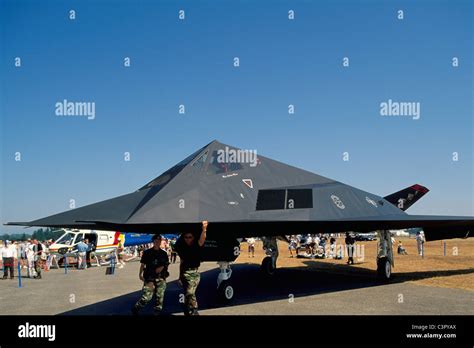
(384, 269)
(267, 266)
(225, 291)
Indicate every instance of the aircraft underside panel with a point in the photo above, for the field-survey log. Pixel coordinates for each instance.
(220, 250)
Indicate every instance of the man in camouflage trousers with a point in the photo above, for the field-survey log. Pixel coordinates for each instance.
(189, 251)
(153, 273)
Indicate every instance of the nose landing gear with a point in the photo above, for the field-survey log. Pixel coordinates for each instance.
(225, 290)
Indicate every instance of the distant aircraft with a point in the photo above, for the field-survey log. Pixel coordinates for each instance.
(400, 233)
(105, 242)
(242, 197)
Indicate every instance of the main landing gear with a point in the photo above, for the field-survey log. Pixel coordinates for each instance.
(225, 289)
(384, 255)
(270, 246)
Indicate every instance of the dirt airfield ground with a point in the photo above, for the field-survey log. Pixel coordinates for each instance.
(435, 284)
(455, 270)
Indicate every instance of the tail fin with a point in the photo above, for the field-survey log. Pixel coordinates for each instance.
(405, 198)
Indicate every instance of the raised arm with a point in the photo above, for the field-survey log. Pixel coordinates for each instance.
(202, 239)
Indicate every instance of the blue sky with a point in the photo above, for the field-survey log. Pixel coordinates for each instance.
(190, 62)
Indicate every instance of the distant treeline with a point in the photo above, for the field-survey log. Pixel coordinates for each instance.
(40, 234)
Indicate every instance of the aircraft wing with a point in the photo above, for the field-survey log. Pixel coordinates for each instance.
(434, 227)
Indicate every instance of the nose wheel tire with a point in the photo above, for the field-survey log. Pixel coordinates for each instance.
(384, 269)
(225, 291)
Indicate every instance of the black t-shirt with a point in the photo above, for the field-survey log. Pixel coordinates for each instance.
(38, 249)
(152, 259)
(190, 255)
(350, 240)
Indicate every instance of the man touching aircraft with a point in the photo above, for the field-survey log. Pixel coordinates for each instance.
(189, 251)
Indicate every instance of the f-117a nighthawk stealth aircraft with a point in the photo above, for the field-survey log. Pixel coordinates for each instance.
(248, 196)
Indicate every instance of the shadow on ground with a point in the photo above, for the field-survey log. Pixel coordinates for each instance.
(251, 287)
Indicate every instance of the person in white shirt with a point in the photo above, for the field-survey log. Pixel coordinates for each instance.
(21, 254)
(309, 245)
(316, 241)
(119, 253)
(30, 259)
(9, 254)
(332, 246)
(420, 240)
(251, 243)
(293, 244)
